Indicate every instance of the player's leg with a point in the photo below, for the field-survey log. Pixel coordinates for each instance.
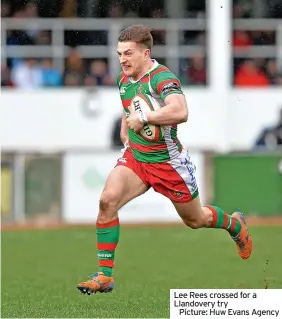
(176, 180)
(196, 216)
(123, 184)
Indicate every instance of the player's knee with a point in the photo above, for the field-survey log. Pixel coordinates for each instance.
(107, 207)
(194, 223)
(108, 201)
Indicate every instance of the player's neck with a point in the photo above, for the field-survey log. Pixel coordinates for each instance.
(145, 70)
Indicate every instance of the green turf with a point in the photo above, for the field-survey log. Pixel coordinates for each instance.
(40, 269)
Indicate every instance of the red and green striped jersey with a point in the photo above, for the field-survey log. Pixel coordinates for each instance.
(159, 82)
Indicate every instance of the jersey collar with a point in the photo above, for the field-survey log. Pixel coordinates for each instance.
(155, 65)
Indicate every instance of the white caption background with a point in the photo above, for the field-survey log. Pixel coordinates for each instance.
(226, 303)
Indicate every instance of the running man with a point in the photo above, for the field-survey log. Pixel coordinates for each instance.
(165, 166)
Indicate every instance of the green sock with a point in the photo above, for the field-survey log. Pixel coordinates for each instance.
(107, 240)
(224, 221)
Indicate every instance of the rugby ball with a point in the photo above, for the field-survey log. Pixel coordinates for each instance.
(142, 103)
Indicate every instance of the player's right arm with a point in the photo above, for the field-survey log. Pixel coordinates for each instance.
(124, 130)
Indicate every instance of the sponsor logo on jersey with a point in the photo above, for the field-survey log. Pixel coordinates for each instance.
(176, 193)
(122, 90)
(140, 88)
(170, 87)
(122, 160)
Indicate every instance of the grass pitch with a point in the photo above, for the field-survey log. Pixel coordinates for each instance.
(40, 269)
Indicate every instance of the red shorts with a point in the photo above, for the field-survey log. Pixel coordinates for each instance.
(174, 179)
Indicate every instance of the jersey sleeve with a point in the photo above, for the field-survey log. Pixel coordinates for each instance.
(166, 83)
(118, 79)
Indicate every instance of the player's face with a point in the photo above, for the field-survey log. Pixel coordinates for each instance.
(132, 58)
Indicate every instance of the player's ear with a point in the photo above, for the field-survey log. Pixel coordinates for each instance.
(147, 54)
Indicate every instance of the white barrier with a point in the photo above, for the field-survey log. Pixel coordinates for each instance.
(84, 177)
(56, 119)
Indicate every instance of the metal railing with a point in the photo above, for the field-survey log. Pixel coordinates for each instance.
(172, 50)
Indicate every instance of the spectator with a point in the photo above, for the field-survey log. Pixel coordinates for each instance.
(262, 37)
(237, 12)
(69, 9)
(197, 71)
(272, 72)
(31, 12)
(18, 37)
(249, 75)
(5, 9)
(271, 137)
(43, 38)
(201, 38)
(5, 76)
(98, 70)
(51, 76)
(115, 11)
(73, 79)
(74, 62)
(260, 63)
(242, 10)
(241, 39)
(74, 71)
(90, 81)
(27, 75)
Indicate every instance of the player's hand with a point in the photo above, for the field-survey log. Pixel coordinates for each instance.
(134, 122)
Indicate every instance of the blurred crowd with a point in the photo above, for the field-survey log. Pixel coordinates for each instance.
(35, 73)
(259, 71)
(32, 73)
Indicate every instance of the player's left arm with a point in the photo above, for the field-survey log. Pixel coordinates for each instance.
(175, 110)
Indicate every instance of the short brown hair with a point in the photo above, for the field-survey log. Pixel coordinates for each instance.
(137, 33)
